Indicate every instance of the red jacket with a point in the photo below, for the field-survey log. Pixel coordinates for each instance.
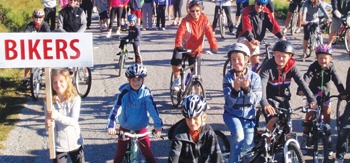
(190, 34)
(117, 3)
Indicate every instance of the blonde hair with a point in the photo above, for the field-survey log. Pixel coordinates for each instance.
(71, 91)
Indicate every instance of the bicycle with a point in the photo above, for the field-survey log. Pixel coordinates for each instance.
(82, 79)
(320, 132)
(293, 24)
(222, 19)
(132, 154)
(314, 40)
(37, 81)
(191, 84)
(281, 138)
(227, 65)
(121, 61)
(224, 144)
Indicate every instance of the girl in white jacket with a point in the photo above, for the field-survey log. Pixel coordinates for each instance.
(65, 113)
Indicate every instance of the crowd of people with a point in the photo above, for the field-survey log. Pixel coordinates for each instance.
(243, 88)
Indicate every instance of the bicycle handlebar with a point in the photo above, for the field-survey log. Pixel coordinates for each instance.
(133, 135)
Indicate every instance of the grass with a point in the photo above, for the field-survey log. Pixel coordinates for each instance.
(12, 98)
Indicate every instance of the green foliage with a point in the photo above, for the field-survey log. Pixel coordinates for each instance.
(281, 9)
(11, 100)
(14, 15)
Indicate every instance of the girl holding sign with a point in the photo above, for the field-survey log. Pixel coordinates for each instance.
(65, 112)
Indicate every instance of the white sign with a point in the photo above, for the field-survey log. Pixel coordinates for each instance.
(26, 50)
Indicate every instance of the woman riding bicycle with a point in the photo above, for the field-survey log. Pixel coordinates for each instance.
(190, 35)
(310, 20)
(37, 25)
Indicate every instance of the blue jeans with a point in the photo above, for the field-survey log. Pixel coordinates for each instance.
(242, 131)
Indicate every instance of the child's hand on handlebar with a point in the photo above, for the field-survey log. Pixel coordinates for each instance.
(312, 105)
(112, 131)
(158, 132)
(269, 110)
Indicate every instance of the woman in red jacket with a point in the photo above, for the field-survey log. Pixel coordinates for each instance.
(190, 36)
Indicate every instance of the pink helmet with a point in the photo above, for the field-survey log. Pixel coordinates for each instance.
(323, 49)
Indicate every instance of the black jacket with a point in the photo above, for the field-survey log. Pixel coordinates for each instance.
(184, 150)
(315, 75)
(31, 27)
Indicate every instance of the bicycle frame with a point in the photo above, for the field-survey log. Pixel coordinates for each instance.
(280, 137)
(195, 76)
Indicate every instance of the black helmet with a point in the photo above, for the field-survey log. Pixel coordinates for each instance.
(196, 2)
(193, 106)
(284, 46)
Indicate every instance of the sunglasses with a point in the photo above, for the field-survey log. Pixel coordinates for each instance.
(260, 4)
(195, 10)
(38, 17)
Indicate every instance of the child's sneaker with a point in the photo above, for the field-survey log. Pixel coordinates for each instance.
(119, 53)
(176, 85)
(285, 30)
(163, 29)
(298, 30)
(117, 33)
(109, 34)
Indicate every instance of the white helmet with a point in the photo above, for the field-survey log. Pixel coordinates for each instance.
(136, 70)
(238, 47)
(193, 106)
(38, 13)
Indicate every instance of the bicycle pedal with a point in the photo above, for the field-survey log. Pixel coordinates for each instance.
(130, 57)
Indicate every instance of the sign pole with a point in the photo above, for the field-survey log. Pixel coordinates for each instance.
(48, 93)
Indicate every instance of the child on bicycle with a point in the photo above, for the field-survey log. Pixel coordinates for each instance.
(65, 113)
(276, 75)
(310, 20)
(131, 110)
(242, 91)
(133, 38)
(192, 139)
(190, 36)
(319, 75)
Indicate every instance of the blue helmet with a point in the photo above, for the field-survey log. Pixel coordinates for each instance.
(132, 17)
(264, 2)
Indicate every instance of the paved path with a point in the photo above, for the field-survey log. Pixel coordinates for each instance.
(28, 141)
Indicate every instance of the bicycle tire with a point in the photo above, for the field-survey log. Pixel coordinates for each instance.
(83, 81)
(222, 25)
(294, 154)
(294, 22)
(34, 83)
(311, 46)
(318, 151)
(347, 40)
(259, 121)
(192, 89)
(226, 68)
(341, 104)
(175, 96)
(121, 63)
(224, 144)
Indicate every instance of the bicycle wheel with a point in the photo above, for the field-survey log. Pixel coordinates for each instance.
(341, 104)
(35, 83)
(311, 47)
(259, 121)
(121, 63)
(83, 81)
(294, 154)
(175, 96)
(318, 150)
(226, 68)
(347, 40)
(224, 144)
(222, 25)
(294, 22)
(197, 88)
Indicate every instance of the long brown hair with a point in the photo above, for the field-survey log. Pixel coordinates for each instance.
(71, 91)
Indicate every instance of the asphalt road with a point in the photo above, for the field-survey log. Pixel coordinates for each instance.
(28, 141)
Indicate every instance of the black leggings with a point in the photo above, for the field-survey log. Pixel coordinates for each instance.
(77, 156)
(119, 12)
(160, 16)
(50, 17)
(177, 8)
